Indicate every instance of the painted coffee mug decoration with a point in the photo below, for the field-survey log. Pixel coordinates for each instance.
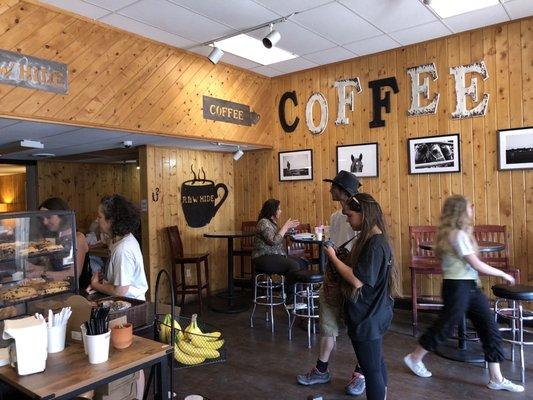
(198, 197)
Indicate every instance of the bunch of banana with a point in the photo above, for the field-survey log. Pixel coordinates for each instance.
(194, 346)
(165, 330)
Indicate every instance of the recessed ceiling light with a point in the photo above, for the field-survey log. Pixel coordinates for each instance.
(449, 8)
(252, 49)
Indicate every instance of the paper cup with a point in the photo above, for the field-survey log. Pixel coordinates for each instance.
(56, 338)
(83, 337)
(98, 347)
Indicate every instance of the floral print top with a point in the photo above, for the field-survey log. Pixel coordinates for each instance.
(267, 240)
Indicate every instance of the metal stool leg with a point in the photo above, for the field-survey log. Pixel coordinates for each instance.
(521, 333)
(309, 294)
(255, 302)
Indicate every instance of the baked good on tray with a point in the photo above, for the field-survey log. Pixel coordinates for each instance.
(116, 305)
(18, 293)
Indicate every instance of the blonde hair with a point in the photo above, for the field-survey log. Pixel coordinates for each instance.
(454, 216)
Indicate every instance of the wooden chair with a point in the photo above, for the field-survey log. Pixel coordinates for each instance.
(304, 250)
(423, 262)
(245, 250)
(179, 258)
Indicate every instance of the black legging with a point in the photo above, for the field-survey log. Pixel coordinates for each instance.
(281, 265)
(370, 357)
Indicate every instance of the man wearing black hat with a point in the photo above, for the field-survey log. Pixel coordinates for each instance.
(343, 187)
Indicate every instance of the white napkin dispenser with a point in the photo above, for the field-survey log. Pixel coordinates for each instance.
(29, 352)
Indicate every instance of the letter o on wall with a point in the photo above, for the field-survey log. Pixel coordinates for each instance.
(319, 98)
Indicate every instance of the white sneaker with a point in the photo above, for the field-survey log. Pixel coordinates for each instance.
(505, 384)
(418, 368)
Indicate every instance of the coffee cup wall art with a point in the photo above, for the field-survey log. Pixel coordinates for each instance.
(199, 199)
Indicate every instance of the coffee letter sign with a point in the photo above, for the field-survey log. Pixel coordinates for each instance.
(319, 98)
(198, 200)
(377, 102)
(344, 100)
(228, 111)
(461, 91)
(34, 73)
(281, 111)
(417, 89)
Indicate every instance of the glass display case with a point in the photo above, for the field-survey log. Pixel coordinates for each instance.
(37, 258)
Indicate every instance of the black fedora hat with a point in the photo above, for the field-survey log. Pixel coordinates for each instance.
(347, 181)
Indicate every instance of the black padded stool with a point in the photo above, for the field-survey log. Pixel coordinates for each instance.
(514, 296)
(305, 293)
(263, 280)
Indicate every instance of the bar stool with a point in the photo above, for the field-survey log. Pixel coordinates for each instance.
(274, 293)
(306, 291)
(515, 295)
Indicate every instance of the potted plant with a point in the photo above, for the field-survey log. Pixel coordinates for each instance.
(122, 336)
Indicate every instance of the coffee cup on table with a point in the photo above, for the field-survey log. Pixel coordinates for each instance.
(318, 233)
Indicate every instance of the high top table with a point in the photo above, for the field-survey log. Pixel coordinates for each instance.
(229, 302)
(461, 351)
(69, 373)
(320, 243)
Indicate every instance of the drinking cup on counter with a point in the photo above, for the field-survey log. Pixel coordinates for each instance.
(56, 338)
(98, 347)
(318, 233)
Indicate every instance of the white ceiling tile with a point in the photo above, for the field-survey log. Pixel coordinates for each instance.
(286, 7)
(175, 19)
(421, 33)
(296, 64)
(372, 45)
(238, 14)
(391, 15)
(330, 55)
(238, 61)
(31, 130)
(336, 23)
(148, 31)
(267, 71)
(296, 39)
(476, 19)
(112, 5)
(78, 7)
(6, 122)
(519, 8)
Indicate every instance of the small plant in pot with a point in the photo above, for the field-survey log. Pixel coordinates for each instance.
(122, 336)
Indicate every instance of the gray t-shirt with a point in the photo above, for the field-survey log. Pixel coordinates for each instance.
(454, 266)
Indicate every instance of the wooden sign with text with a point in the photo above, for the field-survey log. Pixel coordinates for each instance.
(228, 111)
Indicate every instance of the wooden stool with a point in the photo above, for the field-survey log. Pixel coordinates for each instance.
(181, 259)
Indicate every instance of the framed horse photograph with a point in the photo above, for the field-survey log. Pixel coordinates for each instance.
(434, 154)
(295, 165)
(515, 148)
(361, 159)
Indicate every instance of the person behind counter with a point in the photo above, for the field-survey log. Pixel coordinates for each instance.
(58, 226)
(119, 218)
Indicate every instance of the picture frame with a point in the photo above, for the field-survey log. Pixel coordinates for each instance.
(515, 148)
(295, 165)
(361, 159)
(434, 154)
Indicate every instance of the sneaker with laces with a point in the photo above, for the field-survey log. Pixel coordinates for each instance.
(418, 368)
(505, 384)
(356, 386)
(314, 377)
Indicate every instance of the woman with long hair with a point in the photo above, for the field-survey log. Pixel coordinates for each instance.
(456, 246)
(368, 279)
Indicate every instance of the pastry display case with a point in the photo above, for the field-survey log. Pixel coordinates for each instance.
(37, 258)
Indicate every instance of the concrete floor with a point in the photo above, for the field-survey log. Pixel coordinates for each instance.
(262, 365)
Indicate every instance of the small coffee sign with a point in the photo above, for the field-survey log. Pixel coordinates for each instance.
(228, 111)
(198, 197)
(34, 73)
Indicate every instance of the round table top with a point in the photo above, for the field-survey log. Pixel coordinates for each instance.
(484, 247)
(228, 234)
(306, 239)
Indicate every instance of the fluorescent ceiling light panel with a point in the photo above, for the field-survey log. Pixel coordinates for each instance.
(248, 47)
(449, 8)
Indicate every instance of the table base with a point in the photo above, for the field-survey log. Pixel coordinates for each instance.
(224, 303)
(472, 354)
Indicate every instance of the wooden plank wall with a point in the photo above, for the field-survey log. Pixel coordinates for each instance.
(83, 185)
(122, 81)
(167, 169)
(13, 192)
(500, 197)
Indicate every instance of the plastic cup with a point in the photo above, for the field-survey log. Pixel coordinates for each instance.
(56, 338)
(98, 347)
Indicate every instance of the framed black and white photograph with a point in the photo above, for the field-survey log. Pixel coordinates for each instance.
(434, 154)
(296, 165)
(360, 159)
(515, 148)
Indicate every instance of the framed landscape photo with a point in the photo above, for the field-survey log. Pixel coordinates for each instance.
(434, 154)
(296, 165)
(515, 148)
(360, 159)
